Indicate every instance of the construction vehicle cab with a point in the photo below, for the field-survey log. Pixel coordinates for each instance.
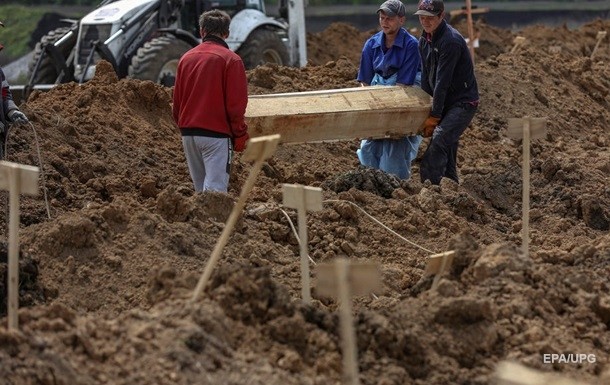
(144, 39)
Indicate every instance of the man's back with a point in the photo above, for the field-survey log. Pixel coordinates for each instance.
(210, 85)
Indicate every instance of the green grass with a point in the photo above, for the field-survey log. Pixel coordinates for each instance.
(19, 23)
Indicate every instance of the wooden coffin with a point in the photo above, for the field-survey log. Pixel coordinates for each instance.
(341, 114)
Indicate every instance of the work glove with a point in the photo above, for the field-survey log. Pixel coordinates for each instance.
(429, 126)
(17, 117)
(239, 142)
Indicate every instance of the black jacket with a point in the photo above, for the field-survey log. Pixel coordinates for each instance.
(447, 69)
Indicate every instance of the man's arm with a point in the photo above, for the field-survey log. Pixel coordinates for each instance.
(9, 107)
(447, 61)
(236, 97)
(176, 94)
(7, 97)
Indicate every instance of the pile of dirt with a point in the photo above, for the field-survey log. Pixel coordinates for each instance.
(127, 238)
(336, 41)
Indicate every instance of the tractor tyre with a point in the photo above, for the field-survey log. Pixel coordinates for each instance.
(263, 46)
(157, 60)
(47, 72)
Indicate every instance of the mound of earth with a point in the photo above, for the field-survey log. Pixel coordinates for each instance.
(119, 239)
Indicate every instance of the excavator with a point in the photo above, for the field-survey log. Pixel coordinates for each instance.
(144, 39)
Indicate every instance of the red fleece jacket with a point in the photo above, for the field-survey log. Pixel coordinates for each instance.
(211, 90)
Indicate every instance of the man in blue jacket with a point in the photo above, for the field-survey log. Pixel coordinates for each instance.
(448, 76)
(390, 57)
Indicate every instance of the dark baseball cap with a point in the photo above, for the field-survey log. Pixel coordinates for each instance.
(430, 8)
(393, 8)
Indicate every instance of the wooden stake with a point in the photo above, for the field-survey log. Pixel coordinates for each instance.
(517, 42)
(470, 29)
(600, 37)
(525, 206)
(338, 279)
(526, 129)
(258, 149)
(438, 264)
(303, 199)
(17, 179)
(348, 334)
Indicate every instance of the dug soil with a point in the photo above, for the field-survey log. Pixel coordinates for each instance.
(114, 244)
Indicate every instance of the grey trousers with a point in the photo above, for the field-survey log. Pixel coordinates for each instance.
(209, 162)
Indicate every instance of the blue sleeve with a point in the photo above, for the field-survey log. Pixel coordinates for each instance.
(366, 72)
(410, 64)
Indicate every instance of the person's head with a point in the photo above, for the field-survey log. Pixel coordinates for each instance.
(214, 22)
(431, 13)
(391, 16)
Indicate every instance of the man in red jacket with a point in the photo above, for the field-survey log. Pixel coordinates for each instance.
(209, 103)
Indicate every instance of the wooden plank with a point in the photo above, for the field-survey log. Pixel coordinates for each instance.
(261, 148)
(363, 278)
(28, 177)
(303, 198)
(516, 127)
(435, 262)
(342, 114)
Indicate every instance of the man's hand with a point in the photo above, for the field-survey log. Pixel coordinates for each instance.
(239, 143)
(17, 117)
(429, 126)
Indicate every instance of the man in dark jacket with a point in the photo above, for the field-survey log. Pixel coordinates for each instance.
(209, 103)
(448, 76)
(9, 112)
